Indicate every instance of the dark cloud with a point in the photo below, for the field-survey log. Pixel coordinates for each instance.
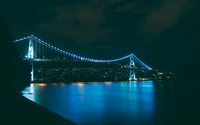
(152, 29)
(78, 22)
(165, 16)
(105, 22)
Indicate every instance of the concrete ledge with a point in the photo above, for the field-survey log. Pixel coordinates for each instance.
(19, 110)
(42, 112)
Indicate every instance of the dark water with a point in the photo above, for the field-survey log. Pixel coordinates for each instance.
(110, 103)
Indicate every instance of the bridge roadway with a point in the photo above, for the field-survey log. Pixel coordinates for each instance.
(54, 60)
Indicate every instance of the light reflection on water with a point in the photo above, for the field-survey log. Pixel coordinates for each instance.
(102, 102)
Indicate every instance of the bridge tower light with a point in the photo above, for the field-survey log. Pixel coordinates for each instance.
(30, 49)
(31, 56)
(132, 70)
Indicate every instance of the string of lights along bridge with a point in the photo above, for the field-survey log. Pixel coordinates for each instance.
(38, 50)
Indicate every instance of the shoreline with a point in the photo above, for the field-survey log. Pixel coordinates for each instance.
(66, 82)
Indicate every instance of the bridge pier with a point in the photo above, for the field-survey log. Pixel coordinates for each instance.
(30, 56)
(32, 70)
(132, 70)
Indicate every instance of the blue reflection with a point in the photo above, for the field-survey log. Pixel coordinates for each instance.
(98, 102)
(29, 92)
(145, 93)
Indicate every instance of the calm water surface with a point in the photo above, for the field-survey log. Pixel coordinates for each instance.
(110, 103)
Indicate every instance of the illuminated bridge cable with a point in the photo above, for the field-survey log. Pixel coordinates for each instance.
(141, 63)
(76, 56)
(22, 39)
(46, 45)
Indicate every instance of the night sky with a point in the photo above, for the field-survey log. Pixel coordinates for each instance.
(162, 33)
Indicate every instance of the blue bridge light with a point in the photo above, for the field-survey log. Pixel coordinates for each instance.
(31, 53)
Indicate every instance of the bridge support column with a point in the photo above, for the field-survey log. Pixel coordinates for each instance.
(30, 56)
(132, 70)
(32, 70)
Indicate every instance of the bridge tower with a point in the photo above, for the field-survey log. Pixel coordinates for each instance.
(30, 56)
(132, 70)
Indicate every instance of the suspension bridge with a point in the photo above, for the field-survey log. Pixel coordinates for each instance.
(38, 50)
